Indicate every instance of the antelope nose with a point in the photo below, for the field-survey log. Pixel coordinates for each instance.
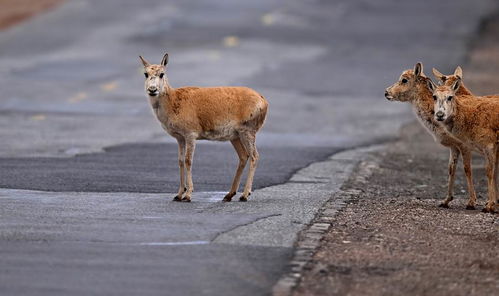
(440, 115)
(387, 95)
(152, 89)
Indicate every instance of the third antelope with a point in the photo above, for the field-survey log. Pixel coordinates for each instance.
(412, 87)
(474, 121)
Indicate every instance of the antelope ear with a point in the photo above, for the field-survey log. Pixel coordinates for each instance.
(456, 84)
(459, 72)
(437, 74)
(144, 62)
(431, 85)
(418, 69)
(164, 61)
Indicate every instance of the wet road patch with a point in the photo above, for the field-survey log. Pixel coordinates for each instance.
(152, 168)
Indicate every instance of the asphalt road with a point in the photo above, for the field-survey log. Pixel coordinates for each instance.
(151, 168)
(75, 124)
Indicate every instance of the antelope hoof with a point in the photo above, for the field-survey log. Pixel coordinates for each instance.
(186, 199)
(444, 205)
(243, 198)
(489, 210)
(229, 196)
(177, 198)
(470, 207)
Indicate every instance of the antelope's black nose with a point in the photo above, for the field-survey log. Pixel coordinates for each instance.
(440, 115)
(388, 96)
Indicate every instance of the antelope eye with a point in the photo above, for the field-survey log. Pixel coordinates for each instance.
(146, 75)
(404, 80)
(434, 98)
(161, 75)
(449, 98)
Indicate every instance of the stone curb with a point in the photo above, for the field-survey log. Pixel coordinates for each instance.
(309, 239)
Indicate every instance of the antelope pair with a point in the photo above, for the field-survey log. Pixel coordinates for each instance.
(458, 120)
(188, 114)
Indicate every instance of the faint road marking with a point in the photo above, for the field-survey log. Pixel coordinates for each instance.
(267, 19)
(231, 41)
(175, 243)
(78, 97)
(38, 117)
(109, 86)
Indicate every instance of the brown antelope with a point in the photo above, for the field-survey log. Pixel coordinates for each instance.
(450, 79)
(412, 87)
(462, 90)
(188, 114)
(473, 121)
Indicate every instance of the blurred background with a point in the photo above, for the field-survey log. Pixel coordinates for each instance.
(72, 81)
(74, 116)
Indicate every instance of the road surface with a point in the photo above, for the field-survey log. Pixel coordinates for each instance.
(87, 175)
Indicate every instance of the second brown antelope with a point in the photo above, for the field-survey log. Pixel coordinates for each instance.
(450, 79)
(473, 121)
(462, 90)
(188, 114)
(412, 87)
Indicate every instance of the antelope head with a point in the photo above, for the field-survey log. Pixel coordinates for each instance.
(448, 79)
(405, 89)
(155, 75)
(445, 99)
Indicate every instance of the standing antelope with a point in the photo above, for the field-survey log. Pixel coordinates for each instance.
(412, 87)
(188, 114)
(473, 121)
(450, 79)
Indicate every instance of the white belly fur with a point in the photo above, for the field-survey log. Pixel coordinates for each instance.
(222, 133)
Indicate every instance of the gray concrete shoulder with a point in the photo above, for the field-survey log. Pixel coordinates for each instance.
(355, 165)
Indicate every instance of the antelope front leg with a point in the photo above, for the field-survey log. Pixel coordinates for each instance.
(248, 141)
(496, 175)
(189, 154)
(181, 165)
(468, 172)
(491, 192)
(243, 158)
(453, 158)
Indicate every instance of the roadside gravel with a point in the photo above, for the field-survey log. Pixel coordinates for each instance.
(392, 239)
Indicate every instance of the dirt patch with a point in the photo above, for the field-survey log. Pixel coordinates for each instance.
(393, 239)
(15, 11)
